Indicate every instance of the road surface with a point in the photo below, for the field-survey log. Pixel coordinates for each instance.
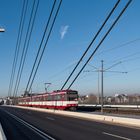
(59, 127)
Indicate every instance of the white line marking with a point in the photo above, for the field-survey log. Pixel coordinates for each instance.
(2, 135)
(36, 130)
(117, 136)
(50, 118)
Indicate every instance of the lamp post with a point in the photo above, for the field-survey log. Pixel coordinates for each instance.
(2, 30)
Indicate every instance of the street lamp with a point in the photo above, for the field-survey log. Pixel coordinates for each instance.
(2, 30)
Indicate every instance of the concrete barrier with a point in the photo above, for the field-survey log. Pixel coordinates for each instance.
(111, 106)
(103, 118)
(2, 135)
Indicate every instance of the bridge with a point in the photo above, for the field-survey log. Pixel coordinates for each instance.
(40, 28)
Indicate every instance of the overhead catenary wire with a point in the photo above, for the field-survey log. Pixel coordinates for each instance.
(117, 71)
(128, 56)
(94, 38)
(93, 66)
(107, 50)
(39, 49)
(132, 59)
(56, 14)
(114, 23)
(120, 62)
(16, 54)
(26, 44)
(113, 65)
(119, 46)
(123, 59)
(99, 70)
(62, 71)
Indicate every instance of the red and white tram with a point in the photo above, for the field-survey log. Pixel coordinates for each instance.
(60, 99)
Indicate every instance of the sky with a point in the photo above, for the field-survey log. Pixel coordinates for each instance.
(75, 26)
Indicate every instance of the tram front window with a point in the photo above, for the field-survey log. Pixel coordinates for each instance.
(72, 97)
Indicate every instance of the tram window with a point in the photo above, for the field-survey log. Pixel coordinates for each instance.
(64, 97)
(28, 99)
(33, 99)
(49, 98)
(45, 98)
(41, 98)
(72, 97)
(59, 97)
(55, 97)
(37, 98)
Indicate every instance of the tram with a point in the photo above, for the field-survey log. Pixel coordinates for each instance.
(60, 99)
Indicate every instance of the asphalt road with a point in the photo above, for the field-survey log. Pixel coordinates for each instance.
(60, 127)
(17, 129)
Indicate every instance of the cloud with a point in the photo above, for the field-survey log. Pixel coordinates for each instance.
(63, 31)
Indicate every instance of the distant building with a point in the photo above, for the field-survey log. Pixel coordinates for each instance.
(121, 98)
(117, 99)
(134, 99)
(88, 99)
(110, 100)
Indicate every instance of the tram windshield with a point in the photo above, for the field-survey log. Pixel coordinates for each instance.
(72, 95)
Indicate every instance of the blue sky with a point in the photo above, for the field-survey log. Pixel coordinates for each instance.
(77, 22)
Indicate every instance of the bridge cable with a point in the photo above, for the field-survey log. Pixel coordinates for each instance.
(56, 14)
(94, 38)
(39, 49)
(26, 45)
(114, 23)
(20, 30)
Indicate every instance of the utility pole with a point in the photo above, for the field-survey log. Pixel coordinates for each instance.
(102, 70)
(46, 87)
(99, 87)
(102, 82)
